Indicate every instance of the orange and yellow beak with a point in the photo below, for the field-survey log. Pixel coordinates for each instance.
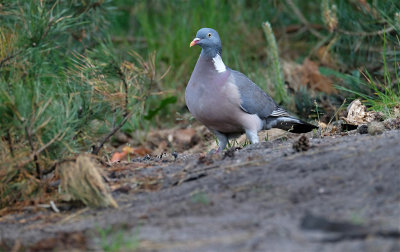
(194, 42)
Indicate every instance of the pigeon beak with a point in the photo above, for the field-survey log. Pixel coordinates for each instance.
(194, 42)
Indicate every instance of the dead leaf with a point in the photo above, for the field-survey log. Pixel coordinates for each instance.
(118, 156)
(176, 139)
(127, 150)
(141, 151)
(307, 75)
(314, 79)
(322, 125)
(185, 136)
(396, 111)
(325, 57)
(62, 241)
(357, 114)
(121, 137)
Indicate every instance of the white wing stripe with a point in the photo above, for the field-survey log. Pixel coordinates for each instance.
(279, 112)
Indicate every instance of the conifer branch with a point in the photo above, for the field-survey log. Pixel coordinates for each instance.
(126, 115)
(96, 149)
(34, 154)
(366, 34)
(303, 20)
(9, 141)
(35, 159)
(3, 61)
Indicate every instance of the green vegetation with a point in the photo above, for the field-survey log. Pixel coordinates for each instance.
(112, 240)
(72, 73)
(345, 36)
(380, 94)
(63, 88)
(200, 198)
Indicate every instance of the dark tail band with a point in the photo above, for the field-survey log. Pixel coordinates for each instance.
(290, 124)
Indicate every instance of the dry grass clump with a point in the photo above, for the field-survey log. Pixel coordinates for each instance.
(82, 180)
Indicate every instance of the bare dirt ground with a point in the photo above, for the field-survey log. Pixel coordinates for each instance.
(343, 194)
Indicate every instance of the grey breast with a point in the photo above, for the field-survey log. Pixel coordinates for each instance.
(212, 98)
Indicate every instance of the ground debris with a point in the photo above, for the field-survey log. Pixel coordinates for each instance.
(307, 75)
(230, 153)
(205, 159)
(61, 242)
(187, 137)
(176, 139)
(302, 144)
(123, 189)
(392, 123)
(258, 194)
(152, 182)
(182, 178)
(127, 150)
(313, 222)
(362, 129)
(343, 230)
(357, 114)
(375, 128)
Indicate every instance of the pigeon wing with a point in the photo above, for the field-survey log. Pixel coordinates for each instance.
(254, 100)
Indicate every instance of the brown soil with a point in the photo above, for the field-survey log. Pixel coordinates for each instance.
(342, 194)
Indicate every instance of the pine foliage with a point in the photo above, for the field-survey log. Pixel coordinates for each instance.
(63, 88)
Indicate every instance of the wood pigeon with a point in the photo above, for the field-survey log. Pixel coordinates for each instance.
(227, 102)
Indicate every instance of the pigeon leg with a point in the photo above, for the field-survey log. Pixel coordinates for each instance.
(252, 136)
(222, 140)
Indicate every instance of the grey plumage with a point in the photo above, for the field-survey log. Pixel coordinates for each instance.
(228, 102)
(253, 99)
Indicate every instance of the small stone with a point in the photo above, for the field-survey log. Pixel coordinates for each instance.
(205, 159)
(337, 126)
(379, 116)
(375, 128)
(168, 157)
(362, 129)
(121, 137)
(186, 137)
(392, 123)
(175, 155)
(123, 189)
(230, 152)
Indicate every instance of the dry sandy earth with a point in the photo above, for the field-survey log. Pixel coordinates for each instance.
(343, 194)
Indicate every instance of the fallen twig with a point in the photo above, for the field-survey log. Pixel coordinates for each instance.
(96, 149)
(35, 159)
(32, 156)
(3, 61)
(123, 79)
(366, 34)
(73, 215)
(54, 207)
(189, 178)
(9, 141)
(303, 20)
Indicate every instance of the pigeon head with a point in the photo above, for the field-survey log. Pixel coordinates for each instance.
(208, 39)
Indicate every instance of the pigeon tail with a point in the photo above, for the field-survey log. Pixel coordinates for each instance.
(288, 123)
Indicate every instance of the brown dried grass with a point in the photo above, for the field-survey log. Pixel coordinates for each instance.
(82, 180)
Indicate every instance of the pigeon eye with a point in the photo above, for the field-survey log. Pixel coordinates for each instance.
(209, 35)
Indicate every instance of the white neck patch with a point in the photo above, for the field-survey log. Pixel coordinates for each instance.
(219, 64)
